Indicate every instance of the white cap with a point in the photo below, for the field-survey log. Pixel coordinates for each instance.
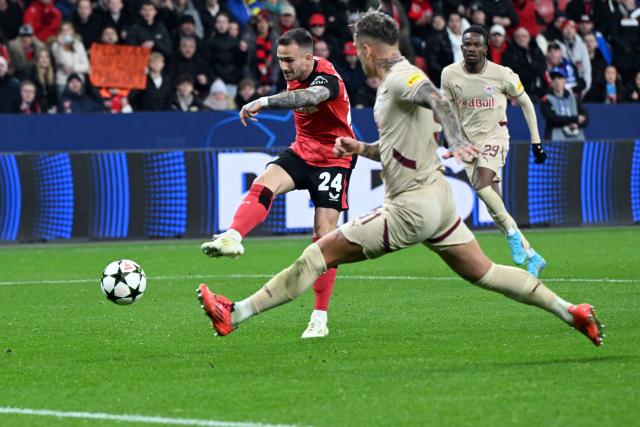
(497, 29)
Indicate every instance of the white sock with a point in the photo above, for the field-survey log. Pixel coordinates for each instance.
(560, 308)
(234, 234)
(531, 253)
(511, 232)
(241, 311)
(319, 315)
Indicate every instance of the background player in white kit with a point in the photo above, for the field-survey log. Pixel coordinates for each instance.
(418, 208)
(479, 90)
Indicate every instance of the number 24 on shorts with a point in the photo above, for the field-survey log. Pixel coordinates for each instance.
(336, 183)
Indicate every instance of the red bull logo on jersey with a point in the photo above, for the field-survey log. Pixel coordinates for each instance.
(478, 103)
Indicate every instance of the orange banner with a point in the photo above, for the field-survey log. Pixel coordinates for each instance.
(119, 66)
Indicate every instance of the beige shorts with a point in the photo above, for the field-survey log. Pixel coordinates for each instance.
(426, 216)
(493, 156)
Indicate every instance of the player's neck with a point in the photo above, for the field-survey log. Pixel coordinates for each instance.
(307, 73)
(384, 63)
(476, 67)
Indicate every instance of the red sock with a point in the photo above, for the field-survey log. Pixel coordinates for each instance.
(323, 287)
(253, 209)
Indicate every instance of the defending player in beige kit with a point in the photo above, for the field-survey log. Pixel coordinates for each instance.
(419, 207)
(479, 90)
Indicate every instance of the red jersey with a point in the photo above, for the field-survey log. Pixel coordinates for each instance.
(318, 127)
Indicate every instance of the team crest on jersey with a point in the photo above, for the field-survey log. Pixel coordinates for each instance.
(489, 89)
(319, 81)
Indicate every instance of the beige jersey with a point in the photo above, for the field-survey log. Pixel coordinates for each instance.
(407, 141)
(481, 100)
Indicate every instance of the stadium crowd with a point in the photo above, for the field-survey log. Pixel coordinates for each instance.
(219, 55)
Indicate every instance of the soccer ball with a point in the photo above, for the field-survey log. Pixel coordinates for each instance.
(123, 282)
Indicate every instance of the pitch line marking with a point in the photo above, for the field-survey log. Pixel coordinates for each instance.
(343, 276)
(133, 418)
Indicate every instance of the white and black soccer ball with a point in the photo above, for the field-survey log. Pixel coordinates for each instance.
(123, 282)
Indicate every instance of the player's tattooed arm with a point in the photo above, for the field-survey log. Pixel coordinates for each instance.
(308, 97)
(371, 151)
(428, 96)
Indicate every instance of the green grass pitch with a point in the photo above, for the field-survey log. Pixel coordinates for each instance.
(410, 344)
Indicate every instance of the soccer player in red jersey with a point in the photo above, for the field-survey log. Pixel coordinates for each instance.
(317, 94)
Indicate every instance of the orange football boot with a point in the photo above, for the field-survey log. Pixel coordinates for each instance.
(585, 321)
(218, 308)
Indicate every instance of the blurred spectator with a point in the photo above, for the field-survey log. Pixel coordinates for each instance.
(187, 28)
(185, 8)
(625, 38)
(366, 94)
(4, 49)
(10, 18)
(585, 27)
(159, 91)
(208, 14)
(321, 49)
(28, 102)
(274, 7)
(9, 90)
(597, 11)
(598, 63)
(246, 92)
(118, 17)
(23, 50)
(219, 99)
(438, 50)
(227, 55)
(318, 30)
(608, 90)
(86, 23)
(394, 9)
(478, 17)
(455, 29)
(500, 12)
(69, 54)
(287, 19)
(262, 61)
(563, 113)
(75, 100)
(350, 70)
(526, 59)
(555, 60)
(420, 14)
(45, 20)
(189, 62)
(184, 99)
(526, 11)
(554, 31)
(66, 7)
(574, 49)
(109, 35)
(115, 100)
(150, 32)
(632, 92)
(334, 12)
(42, 74)
(497, 43)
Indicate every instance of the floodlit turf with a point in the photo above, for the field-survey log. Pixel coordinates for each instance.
(427, 351)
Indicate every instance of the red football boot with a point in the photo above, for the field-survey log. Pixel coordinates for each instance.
(585, 321)
(218, 308)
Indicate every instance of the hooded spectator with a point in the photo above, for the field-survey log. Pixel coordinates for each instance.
(9, 90)
(23, 51)
(44, 18)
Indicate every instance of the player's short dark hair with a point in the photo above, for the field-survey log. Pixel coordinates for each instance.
(477, 29)
(299, 36)
(377, 26)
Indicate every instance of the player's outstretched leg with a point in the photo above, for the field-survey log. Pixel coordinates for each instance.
(472, 264)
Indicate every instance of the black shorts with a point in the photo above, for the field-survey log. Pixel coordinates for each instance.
(327, 186)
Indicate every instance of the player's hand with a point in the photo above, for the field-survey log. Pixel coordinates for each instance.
(249, 111)
(465, 153)
(539, 153)
(346, 146)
